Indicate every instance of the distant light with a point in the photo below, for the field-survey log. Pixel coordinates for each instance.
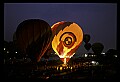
(102, 53)
(7, 51)
(93, 62)
(47, 77)
(4, 48)
(115, 55)
(97, 63)
(16, 52)
(86, 55)
(94, 55)
(67, 67)
(57, 68)
(60, 68)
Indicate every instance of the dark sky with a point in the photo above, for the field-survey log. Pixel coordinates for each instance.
(97, 19)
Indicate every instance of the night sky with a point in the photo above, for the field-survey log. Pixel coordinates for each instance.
(97, 19)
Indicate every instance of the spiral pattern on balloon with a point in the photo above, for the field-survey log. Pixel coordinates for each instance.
(68, 39)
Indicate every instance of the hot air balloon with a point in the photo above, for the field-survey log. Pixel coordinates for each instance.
(48, 52)
(33, 36)
(86, 38)
(97, 47)
(87, 46)
(67, 38)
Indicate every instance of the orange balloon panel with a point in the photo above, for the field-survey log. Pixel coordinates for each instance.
(67, 38)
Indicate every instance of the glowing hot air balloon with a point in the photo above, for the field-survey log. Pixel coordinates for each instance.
(67, 38)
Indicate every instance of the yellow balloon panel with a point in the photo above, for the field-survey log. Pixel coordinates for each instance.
(67, 38)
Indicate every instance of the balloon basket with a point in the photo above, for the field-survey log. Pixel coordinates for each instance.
(65, 60)
(64, 65)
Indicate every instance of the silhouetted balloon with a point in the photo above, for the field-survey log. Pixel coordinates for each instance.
(86, 38)
(33, 36)
(48, 52)
(97, 47)
(111, 52)
(112, 57)
(68, 36)
(87, 46)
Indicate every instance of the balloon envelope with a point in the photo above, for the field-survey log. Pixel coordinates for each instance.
(33, 37)
(86, 38)
(67, 38)
(97, 48)
(87, 46)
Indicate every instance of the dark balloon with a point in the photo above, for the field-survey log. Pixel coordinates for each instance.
(48, 52)
(111, 52)
(87, 46)
(97, 48)
(33, 36)
(86, 38)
